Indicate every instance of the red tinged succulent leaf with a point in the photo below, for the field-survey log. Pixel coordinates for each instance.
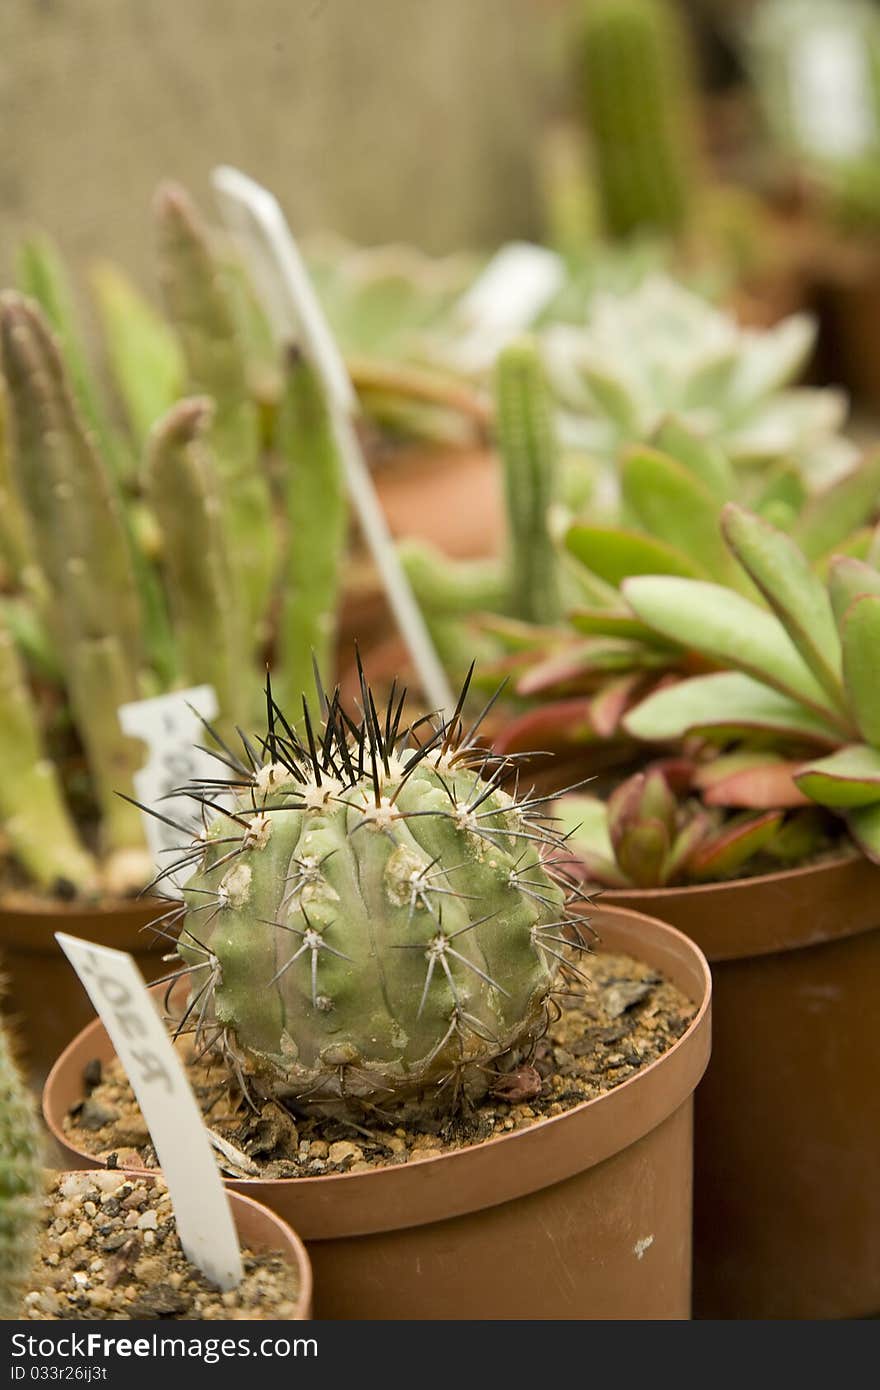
(557, 725)
(733, 846)
(605, 622)
(642, 852)
(685, 847)
(750, 781)
(610, 704)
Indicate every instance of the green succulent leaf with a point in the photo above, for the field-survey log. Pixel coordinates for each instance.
(729, 629)
(792, 590)
(849, 777)
(849, 579)
(725, 704)
(676, 508)
(615, 554)
(783, 492)
(833, 514)
(864, 827)
(701, 457)
(860, 635)
(734, 846)
(601, 622)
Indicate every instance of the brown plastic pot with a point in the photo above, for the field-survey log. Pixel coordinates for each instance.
(787, 1145)
(43, 997)
(584, 1215)
(262, 1231)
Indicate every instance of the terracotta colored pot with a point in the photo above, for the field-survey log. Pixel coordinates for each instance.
(584, 1215)
(787, 1149)
(44, 1000)
(262, 1231)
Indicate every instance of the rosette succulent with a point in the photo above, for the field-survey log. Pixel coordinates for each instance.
(373, 917)
(662, 350)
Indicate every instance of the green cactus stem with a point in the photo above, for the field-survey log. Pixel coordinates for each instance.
(20, 1183)
(142, 353)
(317, 524)
(201, 312)
(13, 525)
(637, 100)
(74, 516)
(33, 814)
(182, 487)
(386, 922)
(529, 454)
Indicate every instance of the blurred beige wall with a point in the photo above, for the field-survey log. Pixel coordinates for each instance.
(380, 118)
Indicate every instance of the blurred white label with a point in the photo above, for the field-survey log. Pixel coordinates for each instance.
(519, 281)
(201, 1208)
(831, 92)
(170, 726)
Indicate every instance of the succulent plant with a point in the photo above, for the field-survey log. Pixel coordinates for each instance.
(20, 1182)
(793, 693)
(374, 918)
(658, 829)
(149, 558)
(663, 351)
(639, 104)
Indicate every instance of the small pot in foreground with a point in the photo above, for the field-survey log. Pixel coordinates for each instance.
(787, 1144)
(43, 998)
(261, 1230)
(583, 1215)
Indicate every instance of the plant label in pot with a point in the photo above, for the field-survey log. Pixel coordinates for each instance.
(204, 1221)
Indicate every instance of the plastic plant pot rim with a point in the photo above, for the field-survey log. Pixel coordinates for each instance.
(496, 1170)
(788, 910)
(28, 928)
(261, 1229)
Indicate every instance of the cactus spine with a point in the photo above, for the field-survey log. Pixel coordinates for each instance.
(20, 1183)
(637, 102)
(386, 921)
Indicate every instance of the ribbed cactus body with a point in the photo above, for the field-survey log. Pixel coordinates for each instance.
(638, 106)
(20, 1180)
(383, 917)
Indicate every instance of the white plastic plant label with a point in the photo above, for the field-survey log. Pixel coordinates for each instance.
(519, 281)
(201, 1208)
(171, 727)
(831, 92)
(255, 219)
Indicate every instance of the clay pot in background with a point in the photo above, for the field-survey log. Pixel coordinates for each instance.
(787, 1146)
(583, 1215)
(43, 998)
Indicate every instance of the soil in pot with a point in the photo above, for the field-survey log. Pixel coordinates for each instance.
(109, 1249)
(627, 1017)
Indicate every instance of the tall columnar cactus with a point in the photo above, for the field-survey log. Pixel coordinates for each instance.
(201, 311)
(374, 916)
(140, 559)
(529, 455)
(639, 106)
(20, 1183)
(73, 515)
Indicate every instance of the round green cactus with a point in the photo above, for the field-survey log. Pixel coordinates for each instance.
(374, 917)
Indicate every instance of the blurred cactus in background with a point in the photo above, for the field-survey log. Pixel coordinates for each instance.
(20, 1183)
(146, 550)
(639, 104)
